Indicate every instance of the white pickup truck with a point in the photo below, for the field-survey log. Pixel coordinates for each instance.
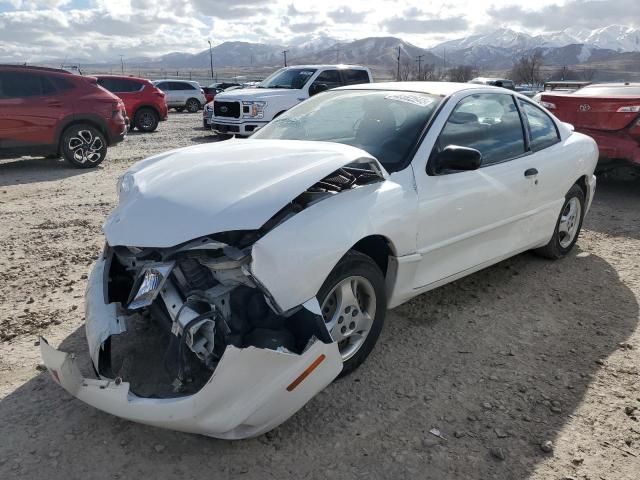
(242, 112)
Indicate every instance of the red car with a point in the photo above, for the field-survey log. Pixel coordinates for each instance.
(51, 112)
(145, 104)
(607, 112)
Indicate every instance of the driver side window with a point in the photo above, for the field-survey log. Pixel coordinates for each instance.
(487, 122)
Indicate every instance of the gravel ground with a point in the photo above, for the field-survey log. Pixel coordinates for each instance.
(526, 370)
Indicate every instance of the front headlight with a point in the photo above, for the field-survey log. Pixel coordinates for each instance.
(148, 284)
(125, 185)
(253, 109)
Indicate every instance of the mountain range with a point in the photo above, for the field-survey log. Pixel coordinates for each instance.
(493, 50)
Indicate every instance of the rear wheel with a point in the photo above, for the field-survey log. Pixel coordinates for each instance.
(192, 105)
(83, 146)
(179, 109)
(568, 226)
(353, 303)
(146, 120)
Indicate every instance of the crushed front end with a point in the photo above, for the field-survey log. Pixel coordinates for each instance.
(185, 338)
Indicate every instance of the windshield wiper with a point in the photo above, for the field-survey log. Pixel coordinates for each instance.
(281, 86)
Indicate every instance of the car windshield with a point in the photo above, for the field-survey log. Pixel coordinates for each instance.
(288, 78)
(386, 124)
(610, 91)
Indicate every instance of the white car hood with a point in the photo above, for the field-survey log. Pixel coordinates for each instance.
(258, 94)
(187, 193)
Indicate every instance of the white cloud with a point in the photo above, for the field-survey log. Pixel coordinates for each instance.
(32, 30)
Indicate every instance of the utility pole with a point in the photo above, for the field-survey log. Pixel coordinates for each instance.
(210, 58)
(121, 65)
(284, 52)
(419, 60)
(444, 58)
(337, 53)
(398, 62)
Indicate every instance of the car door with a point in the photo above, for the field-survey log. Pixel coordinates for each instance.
(170, 94)
(326, 80)
(549, 169)
(470, 219)
(30, 108)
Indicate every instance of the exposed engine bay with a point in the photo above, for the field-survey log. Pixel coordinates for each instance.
(195, 300)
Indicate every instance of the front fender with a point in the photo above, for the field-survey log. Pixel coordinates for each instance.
(293, 260)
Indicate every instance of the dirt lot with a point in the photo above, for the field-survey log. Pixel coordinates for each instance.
(526, 352)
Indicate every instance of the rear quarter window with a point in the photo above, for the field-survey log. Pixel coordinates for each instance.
(354, 77)
(542, 129)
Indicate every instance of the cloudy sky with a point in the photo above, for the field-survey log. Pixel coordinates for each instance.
(32, 30)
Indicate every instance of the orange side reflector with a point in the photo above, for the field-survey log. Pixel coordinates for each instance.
(306, 373)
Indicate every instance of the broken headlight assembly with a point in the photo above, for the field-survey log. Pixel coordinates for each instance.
(150, 281)
(253, 109)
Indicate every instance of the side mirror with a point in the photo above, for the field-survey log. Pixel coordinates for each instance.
(316, 88)
(458, 158)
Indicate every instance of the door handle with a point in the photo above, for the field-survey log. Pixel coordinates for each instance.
(53, 103)
(530, 172)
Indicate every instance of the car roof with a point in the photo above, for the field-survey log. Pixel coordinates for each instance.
(434, 88)
(609, 85)
(327, 65)
(490, 79)
(173, 80)
(123, 77)
(36, 68)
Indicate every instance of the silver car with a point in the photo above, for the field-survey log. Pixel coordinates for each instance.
(182, 94)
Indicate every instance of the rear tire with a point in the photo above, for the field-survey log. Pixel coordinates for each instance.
(354, 305)
(179, 109)
(146, 120)
(83, 146)
(567, 227)
(192, 105)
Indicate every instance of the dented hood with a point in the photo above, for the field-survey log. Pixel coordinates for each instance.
(183, 194)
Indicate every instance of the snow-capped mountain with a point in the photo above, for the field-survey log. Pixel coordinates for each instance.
(614, 37)
(620, 38)
(499, 38)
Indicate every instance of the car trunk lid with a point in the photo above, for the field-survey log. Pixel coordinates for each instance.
(595, 113)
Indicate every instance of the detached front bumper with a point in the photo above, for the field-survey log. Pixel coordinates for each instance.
(251, 391)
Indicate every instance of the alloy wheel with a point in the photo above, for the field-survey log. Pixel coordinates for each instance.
(86, 147)
(348, 311)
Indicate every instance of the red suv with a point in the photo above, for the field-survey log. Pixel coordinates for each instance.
(45, 111)
(145, 104)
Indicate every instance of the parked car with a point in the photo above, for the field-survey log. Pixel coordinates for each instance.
(215, 88)
(564, 87)
(182, 94)
(145, 104)
(244, 111)
(263, 268)
(496, 82)
(51, 112)
(607, 112)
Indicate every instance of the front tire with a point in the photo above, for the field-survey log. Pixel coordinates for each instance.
(354, 304)
(146, 120)
(567, 227)
(192, 105)
(83, 146)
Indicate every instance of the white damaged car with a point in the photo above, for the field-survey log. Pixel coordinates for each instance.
(240, 278)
